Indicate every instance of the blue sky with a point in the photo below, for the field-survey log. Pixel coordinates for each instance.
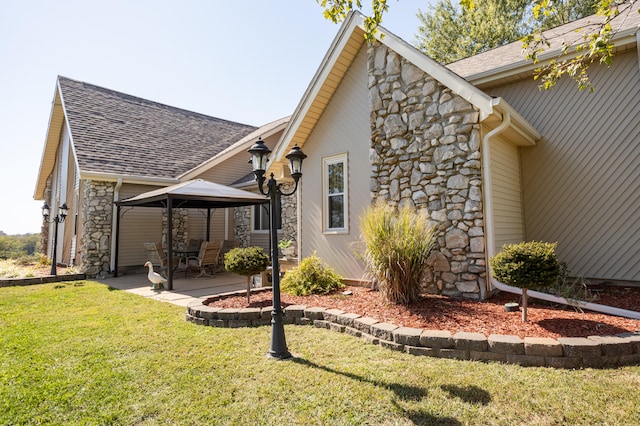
(244, 61)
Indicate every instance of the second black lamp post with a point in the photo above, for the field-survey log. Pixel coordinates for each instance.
(57, 219)
(259, 157)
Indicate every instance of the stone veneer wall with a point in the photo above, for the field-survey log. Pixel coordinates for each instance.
(289, 206)
(180, 228)
(242, 222)
(425, 151)
(97, 216)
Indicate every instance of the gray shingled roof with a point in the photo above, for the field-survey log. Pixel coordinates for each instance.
(512, 53)
(117, 133)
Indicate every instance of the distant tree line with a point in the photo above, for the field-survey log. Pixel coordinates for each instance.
(16, 246)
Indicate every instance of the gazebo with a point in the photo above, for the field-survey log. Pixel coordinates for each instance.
(193, 194)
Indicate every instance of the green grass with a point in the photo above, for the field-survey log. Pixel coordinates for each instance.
(81, 353)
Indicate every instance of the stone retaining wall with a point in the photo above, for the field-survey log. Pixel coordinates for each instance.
(566, 352)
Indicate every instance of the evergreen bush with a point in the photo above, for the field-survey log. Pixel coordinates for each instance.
(311, 276)
(246, 261)
(532, 265)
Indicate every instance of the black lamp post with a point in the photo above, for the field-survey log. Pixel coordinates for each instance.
(259, 157)
(59, 218)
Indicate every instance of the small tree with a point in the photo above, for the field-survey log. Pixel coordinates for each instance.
(397, 244)
(246, 261)
(526, 265)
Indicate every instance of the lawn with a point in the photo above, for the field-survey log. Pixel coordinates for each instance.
(81, 353)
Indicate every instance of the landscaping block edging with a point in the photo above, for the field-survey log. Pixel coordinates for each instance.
(565, 352)
(10, 282)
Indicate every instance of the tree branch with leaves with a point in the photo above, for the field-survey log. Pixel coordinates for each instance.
(593, 45)
(481, 25)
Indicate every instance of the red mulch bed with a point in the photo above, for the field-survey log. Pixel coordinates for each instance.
(434, 312)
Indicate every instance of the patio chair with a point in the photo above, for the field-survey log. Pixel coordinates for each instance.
(194, 244)
(208, 258)
(157, 256)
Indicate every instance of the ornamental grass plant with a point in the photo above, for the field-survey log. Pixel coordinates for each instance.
(395, 246)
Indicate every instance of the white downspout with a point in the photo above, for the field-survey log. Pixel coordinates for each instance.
(490, 248)
(490, 240)
(114, 221)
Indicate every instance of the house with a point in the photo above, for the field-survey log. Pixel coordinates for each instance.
(475, 144)
(104, 146)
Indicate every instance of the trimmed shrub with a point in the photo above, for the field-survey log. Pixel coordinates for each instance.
(312, 276)
(246, 261)
(396, 245)
(531, 265)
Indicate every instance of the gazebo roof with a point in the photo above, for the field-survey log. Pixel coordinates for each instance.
(196, 194)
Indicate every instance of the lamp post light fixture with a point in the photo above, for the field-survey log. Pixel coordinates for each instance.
(259, 157)
(57, 219)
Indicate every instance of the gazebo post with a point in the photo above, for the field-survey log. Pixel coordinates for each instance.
(117, 244)
(169, 243)
(208, 222)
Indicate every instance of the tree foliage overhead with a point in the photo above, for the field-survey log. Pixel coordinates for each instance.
(482, 23)
(449, 32)
(574, 59)
(337, 10)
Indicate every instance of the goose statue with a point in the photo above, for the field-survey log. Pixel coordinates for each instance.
(156, 279)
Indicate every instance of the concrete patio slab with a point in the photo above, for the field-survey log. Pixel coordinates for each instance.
(185, 290)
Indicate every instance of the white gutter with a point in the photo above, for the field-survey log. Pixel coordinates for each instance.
(490, 241)
(133, 179)
(114, 221)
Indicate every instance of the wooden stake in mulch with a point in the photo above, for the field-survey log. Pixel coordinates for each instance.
(524, 305)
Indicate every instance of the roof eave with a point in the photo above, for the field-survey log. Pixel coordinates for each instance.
(52, 139)
(621, 41)
(520, 131)
(131, 179)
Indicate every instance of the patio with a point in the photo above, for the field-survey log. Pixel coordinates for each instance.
(184, 289)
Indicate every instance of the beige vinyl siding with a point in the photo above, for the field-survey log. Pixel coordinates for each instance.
(343, 128)
(261, 239)
(69, 226)
(506, 194)
(580, 183)
(138, 225)
(197, 226)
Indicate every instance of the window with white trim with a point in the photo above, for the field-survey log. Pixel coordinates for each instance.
(335, 197)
